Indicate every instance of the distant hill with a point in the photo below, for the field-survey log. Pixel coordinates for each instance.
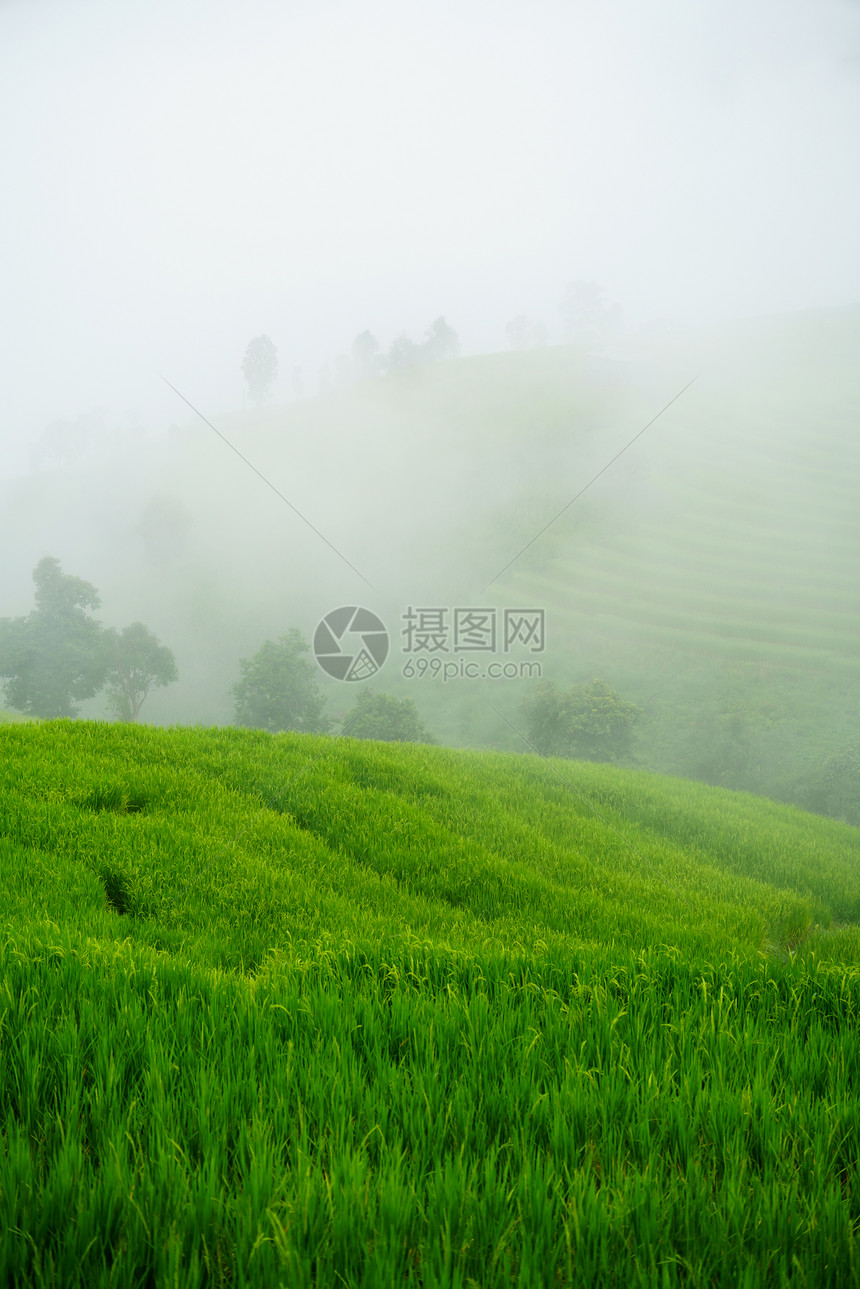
(709, 573)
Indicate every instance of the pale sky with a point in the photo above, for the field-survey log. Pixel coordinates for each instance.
(179, 176)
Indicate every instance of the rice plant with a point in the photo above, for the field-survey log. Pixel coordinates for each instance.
(290, 1010)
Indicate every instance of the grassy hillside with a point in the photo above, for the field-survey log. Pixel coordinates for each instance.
(709, 575)
(301, 1011)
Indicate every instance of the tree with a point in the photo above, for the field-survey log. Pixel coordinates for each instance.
(841, 778)
(441, 341)
(833, 788)
(366, 356)
(522, 334)
(589, 722)
(720, 744)
(518, 332)
(403, 353)
(64, 443)
(136, 662)
(588, 318)
(59, 654)
(260, 368)
(56, 655)
(389, 719)
(546, 721)
(278, 689)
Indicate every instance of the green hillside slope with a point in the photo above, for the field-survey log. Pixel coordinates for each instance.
(302, 1011)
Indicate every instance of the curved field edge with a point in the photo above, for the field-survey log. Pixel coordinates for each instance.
(298, 1011)
(236, 841)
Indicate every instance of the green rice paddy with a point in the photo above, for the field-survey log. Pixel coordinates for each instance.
(298, 1011)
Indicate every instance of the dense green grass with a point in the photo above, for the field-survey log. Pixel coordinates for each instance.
(300, 1011)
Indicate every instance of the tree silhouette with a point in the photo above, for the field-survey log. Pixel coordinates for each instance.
(441, 341)
(278, 689)
(136, 662)
(384, 717)
(588, 722)
(260, 368)
(56, 655)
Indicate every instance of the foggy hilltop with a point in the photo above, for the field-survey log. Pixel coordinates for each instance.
(500, 264)
(711, 567)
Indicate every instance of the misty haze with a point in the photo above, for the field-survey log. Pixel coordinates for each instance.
(428, 480)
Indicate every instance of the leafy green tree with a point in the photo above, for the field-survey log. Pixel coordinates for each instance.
(389, 719)
(260, 368)
(278, 689)
(545, 714)
(136, 663)
(588, 722)
(56, 655)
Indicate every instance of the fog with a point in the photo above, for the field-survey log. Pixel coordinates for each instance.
(180, 178)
